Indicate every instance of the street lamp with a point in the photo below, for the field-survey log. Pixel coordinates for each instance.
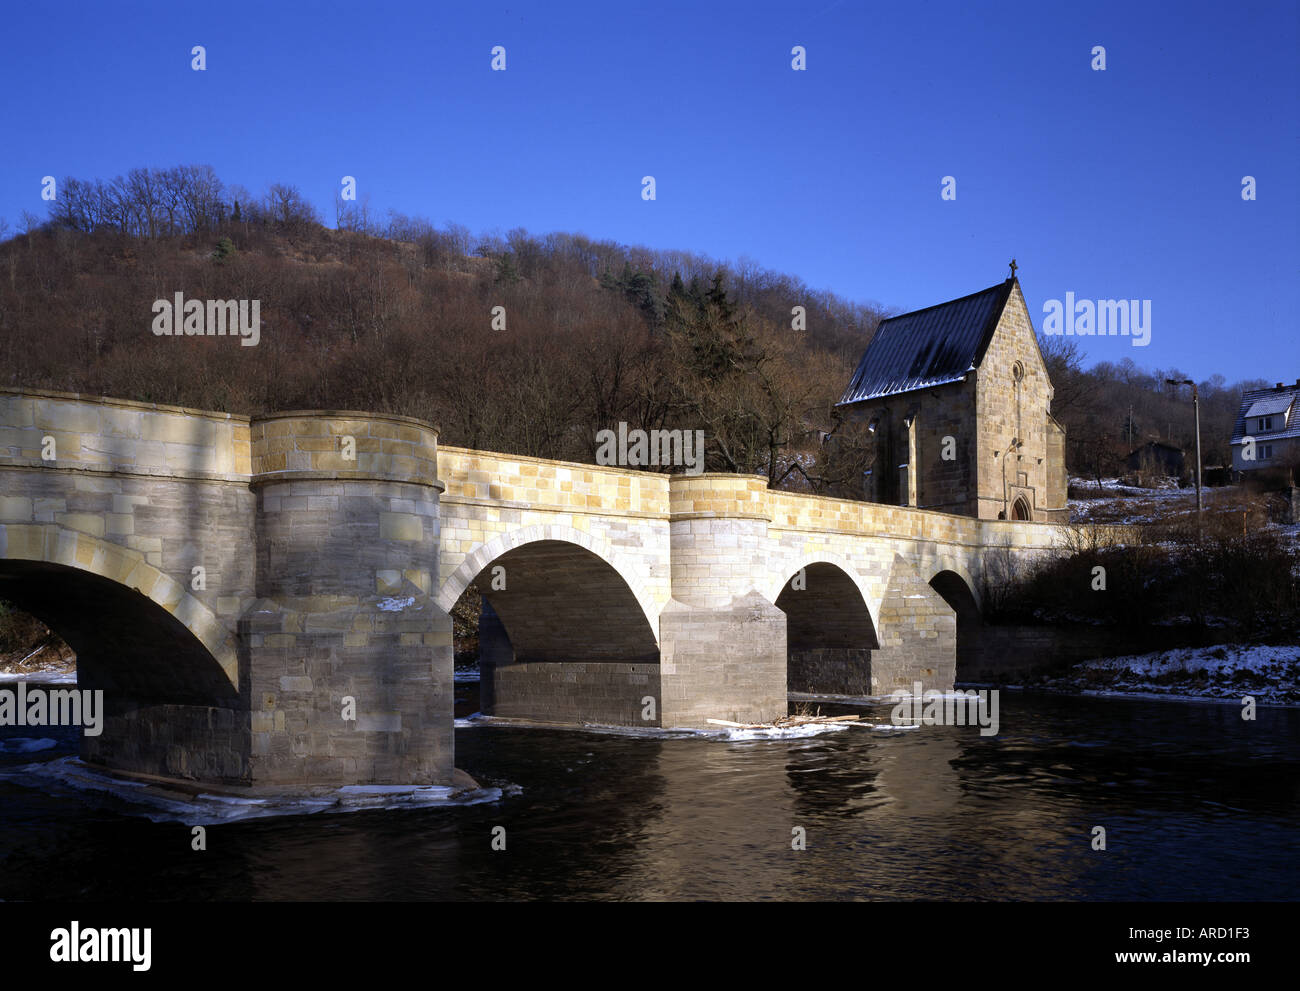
(1196, 409)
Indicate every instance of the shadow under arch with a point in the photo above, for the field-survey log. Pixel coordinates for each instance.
(563, 638)
(491, 552)
(79, 552)
(829, 632)
(169, 706)
(957, 591)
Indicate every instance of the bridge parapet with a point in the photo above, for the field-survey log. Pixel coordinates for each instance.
(538, 483)
(719, 495)
(805, 511)
(71, 430)
(329, 444)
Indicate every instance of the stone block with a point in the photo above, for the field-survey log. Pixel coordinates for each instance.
(401, 526)
(379, 722)
(15, 508)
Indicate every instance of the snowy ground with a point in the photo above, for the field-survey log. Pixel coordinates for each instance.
(1125, 504)
(1227, 672)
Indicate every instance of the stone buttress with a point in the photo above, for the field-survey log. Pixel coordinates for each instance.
(344, 626)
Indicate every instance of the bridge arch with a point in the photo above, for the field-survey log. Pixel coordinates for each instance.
(489, 553)
(172, 705)
(956, 589)
(830, 632)
(32, 553)
(829, 610)
(785, 571)
(953, 581)
(562, 635)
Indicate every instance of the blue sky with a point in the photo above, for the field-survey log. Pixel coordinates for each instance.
(1123, 183)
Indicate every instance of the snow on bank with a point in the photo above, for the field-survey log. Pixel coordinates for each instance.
(1117, 504)
(1124, 505)
(41, 676)
(26, 745)
(1227, 672)
(69, 775)
(1113, 486)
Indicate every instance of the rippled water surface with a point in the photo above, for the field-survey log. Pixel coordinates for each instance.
(1196, 804)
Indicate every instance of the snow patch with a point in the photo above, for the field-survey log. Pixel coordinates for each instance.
(158, 805)
(26, 745)
(40, 677)
(787, 733)
(1269, 674)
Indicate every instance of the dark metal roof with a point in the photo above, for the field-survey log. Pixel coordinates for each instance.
(929, 347)
(1269, 399)
(1271, 404)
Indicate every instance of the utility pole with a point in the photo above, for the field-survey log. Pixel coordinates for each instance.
(1196, 410)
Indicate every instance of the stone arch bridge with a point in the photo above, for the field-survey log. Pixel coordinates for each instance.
(230, 583)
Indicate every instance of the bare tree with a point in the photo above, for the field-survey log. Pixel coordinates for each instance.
(285, 205)
(201, 194)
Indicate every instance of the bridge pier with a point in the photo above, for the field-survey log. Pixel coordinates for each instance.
(918, 636)
(494, 652)
(722, 662)
(349, 658)
(722, 645)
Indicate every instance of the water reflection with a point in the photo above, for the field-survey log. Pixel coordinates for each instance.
(1196, 803)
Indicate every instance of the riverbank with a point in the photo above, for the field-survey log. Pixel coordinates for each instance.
(29, 648)
(1227, 672)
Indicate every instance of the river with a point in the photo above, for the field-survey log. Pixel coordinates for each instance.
(1196, 804)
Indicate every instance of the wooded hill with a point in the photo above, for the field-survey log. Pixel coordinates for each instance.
(398, 316)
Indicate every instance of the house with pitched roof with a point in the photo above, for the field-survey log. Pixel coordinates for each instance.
(959, 402)
(1266, 436)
